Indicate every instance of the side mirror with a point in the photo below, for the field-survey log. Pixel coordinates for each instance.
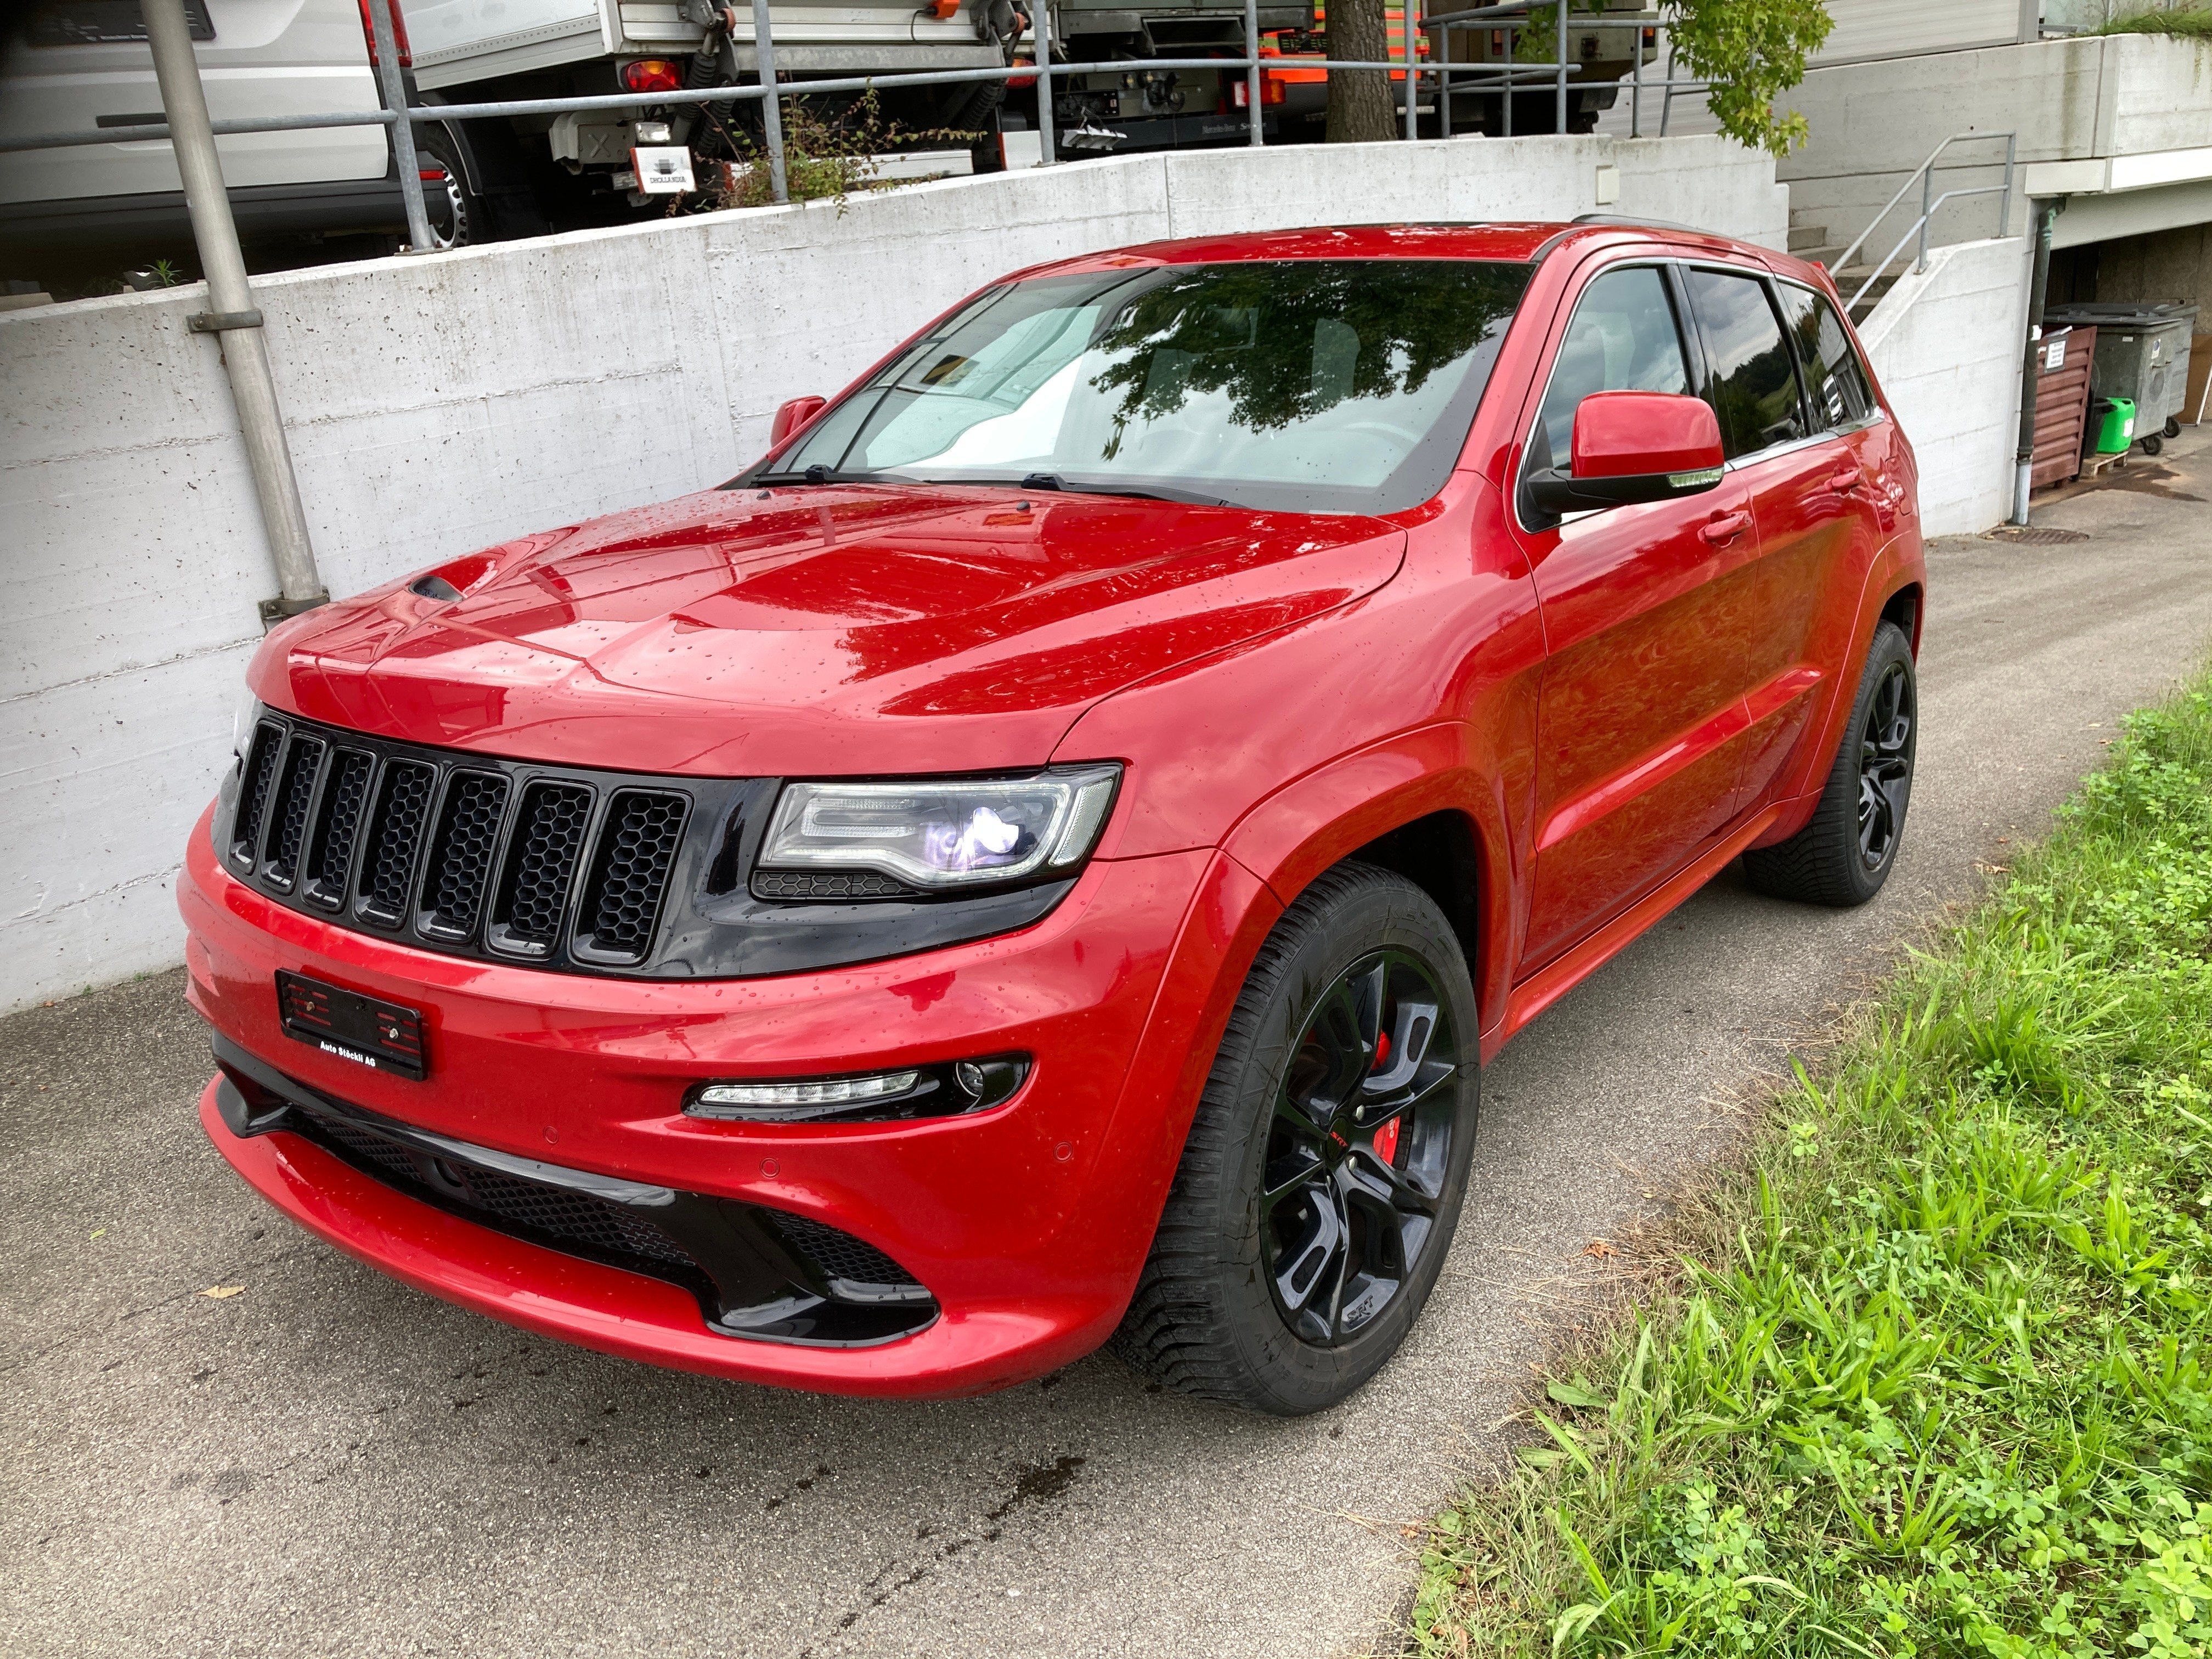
(1632, 447)
(792, 416)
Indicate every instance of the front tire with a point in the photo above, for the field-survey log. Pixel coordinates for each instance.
(1324, 1171)
(1846, 851)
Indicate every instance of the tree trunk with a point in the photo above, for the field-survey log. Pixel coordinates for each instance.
(1359, 103)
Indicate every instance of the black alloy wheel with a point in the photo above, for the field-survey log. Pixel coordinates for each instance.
(1360, 1148)
(1323, 1172)
(1847, 848)
(1885, 767)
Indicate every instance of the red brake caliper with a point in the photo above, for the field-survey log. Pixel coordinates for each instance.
(1385, 1138)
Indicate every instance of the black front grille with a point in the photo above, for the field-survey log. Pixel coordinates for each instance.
(339, 830)
(403, 802)
(549, 838)
(253, 796)
(557, 866)
(460, 859)
(303, 765)
(637, 848)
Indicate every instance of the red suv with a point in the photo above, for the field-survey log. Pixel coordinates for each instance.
(1040, 859)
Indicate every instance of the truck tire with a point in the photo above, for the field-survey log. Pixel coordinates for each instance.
(464, 224)
(1847, 849)
(1327, 1161)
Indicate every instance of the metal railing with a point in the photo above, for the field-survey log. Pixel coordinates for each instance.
(1501, 78)
(1925, 176)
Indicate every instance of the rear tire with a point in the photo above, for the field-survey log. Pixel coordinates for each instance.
(1847, 849)
(1323, 1174)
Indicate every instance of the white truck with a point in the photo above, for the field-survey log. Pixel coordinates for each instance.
(84, 65)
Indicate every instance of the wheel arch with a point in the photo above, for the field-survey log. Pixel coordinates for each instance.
(1416, 805)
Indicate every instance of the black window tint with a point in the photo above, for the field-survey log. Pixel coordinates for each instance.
(1753, 387)
(1623, 338)
(1834, 385)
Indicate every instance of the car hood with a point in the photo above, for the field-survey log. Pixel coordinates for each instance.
(828, 631)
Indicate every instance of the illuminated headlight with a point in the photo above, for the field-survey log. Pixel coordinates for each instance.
(967, 1085)
(941, 835)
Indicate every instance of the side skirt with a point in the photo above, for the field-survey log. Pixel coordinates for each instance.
(1547, 985)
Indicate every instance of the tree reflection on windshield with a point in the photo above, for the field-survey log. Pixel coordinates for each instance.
(1288, 342)
(1328, 385)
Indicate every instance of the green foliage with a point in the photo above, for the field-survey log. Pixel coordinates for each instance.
(1752, 51)
(823, 158)
(2188, 22)
(1938, 1379)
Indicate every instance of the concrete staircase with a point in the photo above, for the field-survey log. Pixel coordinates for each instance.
(1813, 242)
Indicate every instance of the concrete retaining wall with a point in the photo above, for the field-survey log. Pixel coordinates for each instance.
(440, 405)
(1945, 345)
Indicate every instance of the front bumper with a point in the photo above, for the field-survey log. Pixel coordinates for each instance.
(1027, 1223)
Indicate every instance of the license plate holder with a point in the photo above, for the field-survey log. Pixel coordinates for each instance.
(385, 1036)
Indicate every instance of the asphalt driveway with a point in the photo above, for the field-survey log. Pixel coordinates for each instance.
(327, 1461)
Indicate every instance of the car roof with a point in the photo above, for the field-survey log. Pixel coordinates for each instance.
(1516, 240)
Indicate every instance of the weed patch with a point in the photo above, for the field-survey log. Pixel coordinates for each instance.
(1935, 1376)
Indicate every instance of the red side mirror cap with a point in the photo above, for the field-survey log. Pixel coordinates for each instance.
(1629, 447)
(1621, 434)
(792, 416)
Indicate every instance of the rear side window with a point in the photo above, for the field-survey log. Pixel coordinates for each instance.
(1623, 338)
(1835, 385)
(1753, 386)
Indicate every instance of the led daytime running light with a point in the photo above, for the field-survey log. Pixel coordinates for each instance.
(829, 1091)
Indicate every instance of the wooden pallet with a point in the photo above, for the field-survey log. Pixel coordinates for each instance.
(2093, 465)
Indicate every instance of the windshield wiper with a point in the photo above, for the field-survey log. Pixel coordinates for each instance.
(825, 475)
(1054, 481)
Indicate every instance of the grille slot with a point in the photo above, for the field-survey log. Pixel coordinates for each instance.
(403, 803)
(637, 851)
(600, 1226)
(817, 885)
(331, 860)
(840, 1256)
(461, 854)
(295, 793)
(541, 866)
(254, 792)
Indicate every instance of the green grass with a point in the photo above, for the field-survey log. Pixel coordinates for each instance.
(1936, 1375)
(2189, 22)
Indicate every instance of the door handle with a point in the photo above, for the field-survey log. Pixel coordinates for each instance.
(1725, 528)
(1845, 481)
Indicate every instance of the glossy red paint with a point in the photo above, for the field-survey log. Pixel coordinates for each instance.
(792, 416)
(1598, 714)
(1626, 435)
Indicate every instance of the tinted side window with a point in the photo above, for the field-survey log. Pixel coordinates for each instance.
(1753, 387)
(1623, 338)
(1834, 385)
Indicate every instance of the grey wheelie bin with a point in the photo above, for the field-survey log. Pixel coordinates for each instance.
(2143, 353)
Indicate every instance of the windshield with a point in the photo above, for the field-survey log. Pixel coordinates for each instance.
(1300, 386)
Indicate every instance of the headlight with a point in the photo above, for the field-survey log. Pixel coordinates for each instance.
(243, 717)
(940, 835)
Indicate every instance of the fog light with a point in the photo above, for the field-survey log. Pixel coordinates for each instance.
(949, 1091)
